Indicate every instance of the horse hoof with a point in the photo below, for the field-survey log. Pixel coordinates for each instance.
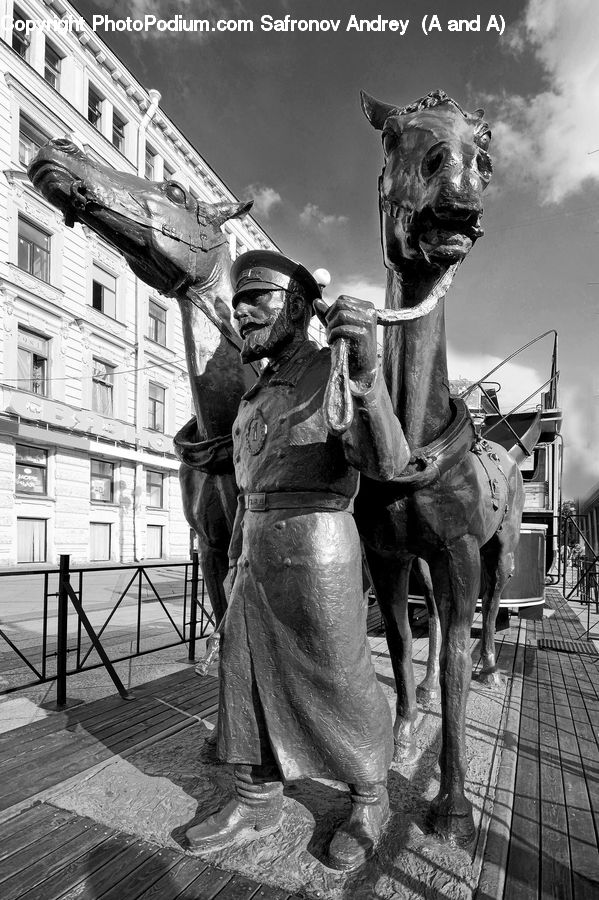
(426, 696)
(452, 823)
(491, 679)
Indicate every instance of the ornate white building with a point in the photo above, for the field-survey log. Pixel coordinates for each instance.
(93, 383)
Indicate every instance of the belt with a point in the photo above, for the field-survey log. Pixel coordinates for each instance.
(308, 500)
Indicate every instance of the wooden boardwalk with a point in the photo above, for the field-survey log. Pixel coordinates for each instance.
(543, 841)
(48, 853)
(543, 836)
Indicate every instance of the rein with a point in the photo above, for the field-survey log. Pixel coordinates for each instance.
(338, 401)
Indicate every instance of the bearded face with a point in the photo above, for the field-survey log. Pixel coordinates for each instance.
(264, 323)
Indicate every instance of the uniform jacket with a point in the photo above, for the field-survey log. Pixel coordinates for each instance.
(296, 673)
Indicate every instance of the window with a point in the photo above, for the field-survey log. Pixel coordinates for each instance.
(31, 470)
(150, 163)
(169, 173)
(154, 542)
(31, 139)
(157, 323)
(154, 489)
(103, 292)
(31, 540)
(156, 408)
(34, 250)
(94, 108)
(102, 481)
(20, 38)
(99, 541)
(102, 385)
(118, 132)
(32, 362)
(52, 63)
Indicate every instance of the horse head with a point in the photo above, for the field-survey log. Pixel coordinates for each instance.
(436, 169)
(170, 239)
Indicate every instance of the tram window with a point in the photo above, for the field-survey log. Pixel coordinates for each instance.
(536, 470)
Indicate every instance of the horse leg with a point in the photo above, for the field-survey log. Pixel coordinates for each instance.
(456, 580)
(428, 689)
(204, 510)
(499, 564)
(390, 583)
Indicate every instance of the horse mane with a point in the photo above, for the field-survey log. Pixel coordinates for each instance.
(436, 98)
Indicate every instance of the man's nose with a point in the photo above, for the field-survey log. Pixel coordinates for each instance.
(239, 310)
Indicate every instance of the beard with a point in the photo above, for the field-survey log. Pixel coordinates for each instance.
(275, 333)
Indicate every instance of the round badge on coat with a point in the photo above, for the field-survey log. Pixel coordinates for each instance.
(255, 434)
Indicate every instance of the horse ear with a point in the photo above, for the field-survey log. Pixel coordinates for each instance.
(375, 111)
(224, 211)
(479, 113)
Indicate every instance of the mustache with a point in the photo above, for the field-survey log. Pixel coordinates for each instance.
(248, 325)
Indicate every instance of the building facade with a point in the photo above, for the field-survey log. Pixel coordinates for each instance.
(93, 382)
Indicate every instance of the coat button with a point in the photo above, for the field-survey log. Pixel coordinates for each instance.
(246, 564)
(237, 458)
(238, 430)
(287, 562)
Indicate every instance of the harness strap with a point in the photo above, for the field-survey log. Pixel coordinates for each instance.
(306, 500)
(492, 466)
(213, 456)
(428, 463)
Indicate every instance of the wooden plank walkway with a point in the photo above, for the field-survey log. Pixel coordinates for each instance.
(542, 840)
(66, 744)
(544, 835)
(47, 853)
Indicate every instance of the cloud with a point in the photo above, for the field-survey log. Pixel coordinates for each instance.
(363, 289)
(550, 137)
(517, 380)
(581, 432)
(265, 198)
(312, 216)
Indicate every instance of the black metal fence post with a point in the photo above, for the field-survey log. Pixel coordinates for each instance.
(61, 632)
(193, 613)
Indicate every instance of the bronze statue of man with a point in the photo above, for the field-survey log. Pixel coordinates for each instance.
(298, 692)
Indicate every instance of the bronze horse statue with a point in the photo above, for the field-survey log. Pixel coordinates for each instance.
(459, 504)
(177, 247)
(175, 244)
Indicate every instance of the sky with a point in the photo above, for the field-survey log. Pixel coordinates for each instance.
(277, 115)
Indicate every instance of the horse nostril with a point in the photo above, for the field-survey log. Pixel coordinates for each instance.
(433, 161)
(65, 145)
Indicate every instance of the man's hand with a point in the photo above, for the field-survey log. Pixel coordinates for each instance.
(354, 320)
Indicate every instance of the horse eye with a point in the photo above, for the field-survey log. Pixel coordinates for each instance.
(484, 140)
(176, 193)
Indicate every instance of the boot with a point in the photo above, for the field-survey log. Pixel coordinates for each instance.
(356, 839)
(254, 812)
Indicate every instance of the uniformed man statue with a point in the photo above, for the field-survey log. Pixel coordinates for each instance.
(298, 692)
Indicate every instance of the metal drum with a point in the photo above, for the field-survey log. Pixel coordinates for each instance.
(526, 587)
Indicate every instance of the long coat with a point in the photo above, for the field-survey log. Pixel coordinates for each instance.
(297, 679)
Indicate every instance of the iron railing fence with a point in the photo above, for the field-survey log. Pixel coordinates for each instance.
(64, 621)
